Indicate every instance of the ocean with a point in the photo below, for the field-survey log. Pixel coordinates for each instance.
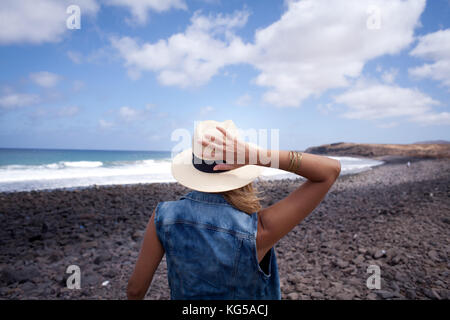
(47, 169)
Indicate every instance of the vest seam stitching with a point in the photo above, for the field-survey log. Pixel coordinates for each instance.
(208, 202)
(210, 227)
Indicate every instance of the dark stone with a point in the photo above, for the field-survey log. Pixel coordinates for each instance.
(379, 254)
(53, 258)
(385, 294)
(44, 228)
(345, 296)
(411, 294)
(401, 277)
(432, 294)
(28, 286)
(359, 259)
(433, 255)
(341, 263)
(293, 296)
(90, 280)
(35, 238)
(101, 258)
(10, 275)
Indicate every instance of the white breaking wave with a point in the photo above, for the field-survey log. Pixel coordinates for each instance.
(80, 169)
(58, 165)
(68, 174)
(82, 164)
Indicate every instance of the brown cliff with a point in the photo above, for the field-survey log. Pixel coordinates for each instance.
(381, 151)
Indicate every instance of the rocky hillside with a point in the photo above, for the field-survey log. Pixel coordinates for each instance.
(382, 150)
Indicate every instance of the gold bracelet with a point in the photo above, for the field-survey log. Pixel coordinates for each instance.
(294, 169)
(297, 158)
(297, 162)
(291, 160)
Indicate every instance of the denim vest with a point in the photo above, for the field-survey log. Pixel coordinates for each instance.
(211, 250)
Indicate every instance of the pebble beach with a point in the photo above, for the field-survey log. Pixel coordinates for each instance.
(394, 216)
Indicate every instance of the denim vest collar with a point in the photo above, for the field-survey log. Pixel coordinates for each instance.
(213, 198)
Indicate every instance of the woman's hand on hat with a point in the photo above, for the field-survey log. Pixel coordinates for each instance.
(227, 143)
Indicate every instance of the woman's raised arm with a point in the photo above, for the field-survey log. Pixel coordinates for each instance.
(275, 221)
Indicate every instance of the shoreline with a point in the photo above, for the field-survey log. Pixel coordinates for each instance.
(392, 216)
(389, 160)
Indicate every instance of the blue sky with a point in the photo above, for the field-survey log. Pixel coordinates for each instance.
(320, 71)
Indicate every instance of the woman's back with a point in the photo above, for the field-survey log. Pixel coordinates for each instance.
(211, 250)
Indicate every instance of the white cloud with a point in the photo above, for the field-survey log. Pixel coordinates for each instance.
(53, 113)
(23, 21)
(68, 111)
(16, 100)
(441, 118)
(373, 101)
(128, 114)
(435, 47)
(378, 101)
(45, 79)
(104, 124)
(190, 58)
(140, 8)
(210, 1)
(244, 100)
(75, 56)
(318, 45)
(150, 106)
(325, 109)
(389, 76)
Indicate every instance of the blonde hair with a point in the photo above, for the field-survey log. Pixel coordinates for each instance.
(245, 199)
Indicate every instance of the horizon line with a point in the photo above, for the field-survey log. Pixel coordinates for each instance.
(77, 149)
(129, 150)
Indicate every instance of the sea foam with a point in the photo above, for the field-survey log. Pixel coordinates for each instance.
(69, 174)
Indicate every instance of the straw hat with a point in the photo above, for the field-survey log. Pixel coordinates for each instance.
(194, 169)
